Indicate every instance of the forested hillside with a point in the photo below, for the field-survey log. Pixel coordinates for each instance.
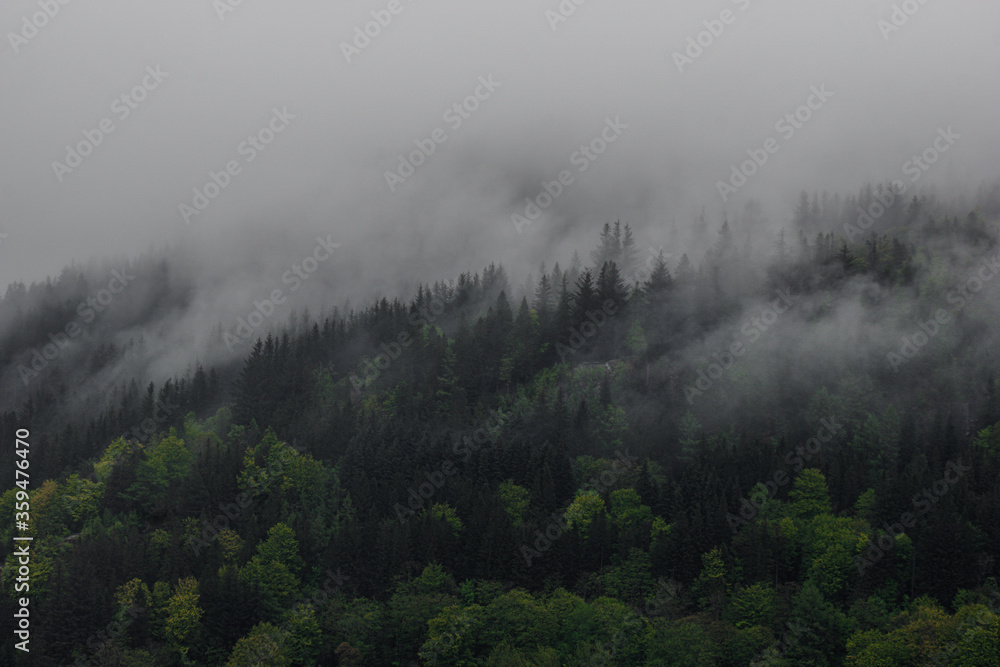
(643, 457)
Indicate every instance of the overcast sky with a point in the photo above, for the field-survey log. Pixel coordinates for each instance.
(891, 92)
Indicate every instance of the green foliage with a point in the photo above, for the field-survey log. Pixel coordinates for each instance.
(515, 500)
(830, 547)
(783, 589)
(627, 510)
(918, 636)
(711, 585)
(681, 644)
(659, 531)
(453, 635)
(753, 605)
(690, 435)
(809, 496)
(446, 513)
(165, 464)
(635, 340)
(263, 646)
(409, 611)
(610, 428)
(280, 547)
(979, 641)
(581, 513)
(304, 638)
(866, 506)
(358, 622)
(989, 440)
(183, 620)
(158, 612)
(274, 569)
(118, 451)
(817, 629)
(134, 593)
(82, 497)
(632, 580)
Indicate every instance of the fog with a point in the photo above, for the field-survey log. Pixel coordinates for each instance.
(296, 133)
(325, 172)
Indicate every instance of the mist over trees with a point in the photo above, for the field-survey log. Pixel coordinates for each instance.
(758, 444)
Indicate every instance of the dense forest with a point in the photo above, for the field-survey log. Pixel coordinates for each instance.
(782, 451)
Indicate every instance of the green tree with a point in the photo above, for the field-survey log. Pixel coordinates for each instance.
(274, 570)
(816, 630)
(263, 646)
(979, 645)
(627, 510)
(989, 440)
(586, 507)
(809, 495)
(711, 586)
(446, 513)
(635, 339)
(753, 605)
(183, 621)
(515, 500)
(165, 464)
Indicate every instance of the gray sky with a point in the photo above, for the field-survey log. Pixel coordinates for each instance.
(325, 171)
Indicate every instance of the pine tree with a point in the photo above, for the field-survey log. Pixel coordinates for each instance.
(504, 316)
(685, 272)
(586, 298)
(543, 298)
(610, 285)
(660, 280)
(629, 252)
(447, 394)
